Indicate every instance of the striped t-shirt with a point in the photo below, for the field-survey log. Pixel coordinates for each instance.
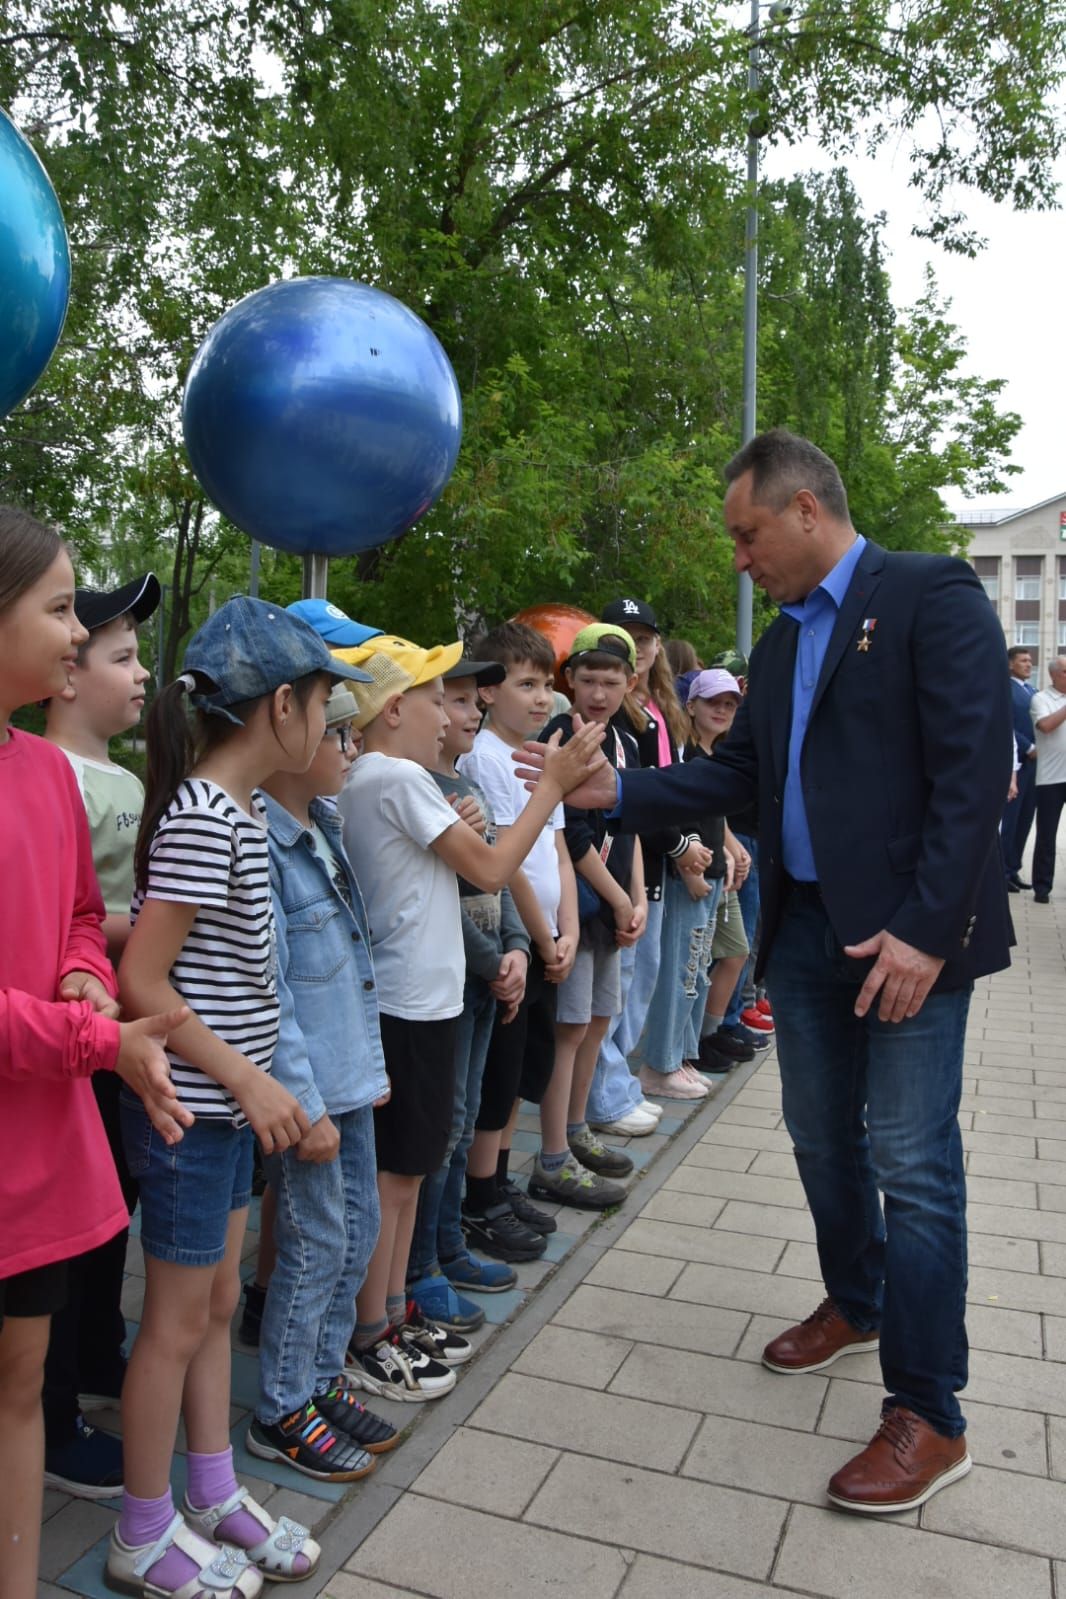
(209, 852)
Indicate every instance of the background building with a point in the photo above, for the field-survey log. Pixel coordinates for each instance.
(1020, 557)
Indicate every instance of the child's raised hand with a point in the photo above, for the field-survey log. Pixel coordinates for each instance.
(88, 987)
(572, 764)
(321, 1145)
(278, 1120)
(143, 1066)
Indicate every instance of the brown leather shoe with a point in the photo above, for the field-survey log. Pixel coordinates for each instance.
(815, 1343)
(904, 1465)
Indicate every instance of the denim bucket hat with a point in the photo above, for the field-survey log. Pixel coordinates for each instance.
(248, 648)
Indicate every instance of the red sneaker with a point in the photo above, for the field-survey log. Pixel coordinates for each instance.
(763, 1004)
(754, 1019)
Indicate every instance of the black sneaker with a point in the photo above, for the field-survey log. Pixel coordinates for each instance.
(308, 1443)
(252, 1319)
(599, 1157)
(713, 1061)
(398, 1370)
(529, 1215)
(344, 1412)
(88, 1465)
(732, 1041)
(499, 1233)
(439, 1342)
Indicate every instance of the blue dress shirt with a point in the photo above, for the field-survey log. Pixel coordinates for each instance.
(816, 617)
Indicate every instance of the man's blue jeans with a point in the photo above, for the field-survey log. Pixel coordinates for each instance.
(873, 1106)
(325, 1230)
(438, 1233)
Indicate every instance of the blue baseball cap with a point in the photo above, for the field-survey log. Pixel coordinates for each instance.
(249, 648)
(331, 623)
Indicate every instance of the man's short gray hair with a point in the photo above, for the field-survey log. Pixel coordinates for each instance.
(781, 463)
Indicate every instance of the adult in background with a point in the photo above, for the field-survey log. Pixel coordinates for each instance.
(1048, 711)
(1018, 813)
(879, 793)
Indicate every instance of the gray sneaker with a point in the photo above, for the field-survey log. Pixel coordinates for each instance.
(599, 1157)
(573, 1185)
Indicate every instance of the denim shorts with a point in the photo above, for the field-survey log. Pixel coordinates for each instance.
(188, 1189)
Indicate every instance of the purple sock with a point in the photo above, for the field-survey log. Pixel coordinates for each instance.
(211, 1481)
(211, 1478)
(141, 1522)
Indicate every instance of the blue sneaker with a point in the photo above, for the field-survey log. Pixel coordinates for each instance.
(439, 1302)
(479, 1276)
(88, 1465)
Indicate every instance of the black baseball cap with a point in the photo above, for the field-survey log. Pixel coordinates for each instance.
(486, 673)
(96, 607)
(623, 612)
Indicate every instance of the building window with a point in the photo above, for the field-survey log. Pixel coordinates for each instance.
(1028, 574)
(987, 569)
(1062, 636)
(1027, 633)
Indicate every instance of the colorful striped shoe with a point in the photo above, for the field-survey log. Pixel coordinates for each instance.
(307, 1442)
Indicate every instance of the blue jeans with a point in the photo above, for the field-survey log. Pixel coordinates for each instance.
(615, 1091)
(748, 895)
(873, 1106)
(438, 1234)
(325, 1231)
(690, 1045)
(662, 1043)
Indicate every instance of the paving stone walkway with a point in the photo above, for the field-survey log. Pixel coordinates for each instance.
(617, 1436)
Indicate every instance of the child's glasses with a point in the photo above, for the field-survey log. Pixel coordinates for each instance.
(344, 735)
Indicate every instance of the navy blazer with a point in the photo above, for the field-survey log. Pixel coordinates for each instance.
(1021, 705)
(905, 767)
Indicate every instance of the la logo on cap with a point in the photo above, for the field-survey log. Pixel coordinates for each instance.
(631, 608)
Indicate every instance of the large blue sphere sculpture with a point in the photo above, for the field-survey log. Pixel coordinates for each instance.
(34, 267)
(322, 416)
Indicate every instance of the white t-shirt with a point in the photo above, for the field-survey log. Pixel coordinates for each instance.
(114, 799)
(1050, 747)
(207, 851)
(392, 812)
(491, 767)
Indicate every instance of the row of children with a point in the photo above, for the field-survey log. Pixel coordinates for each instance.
(289, 927)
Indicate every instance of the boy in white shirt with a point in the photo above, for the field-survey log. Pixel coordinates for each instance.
(522, 1055)
(406, 844)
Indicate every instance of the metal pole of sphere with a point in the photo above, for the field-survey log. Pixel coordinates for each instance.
(316, 577)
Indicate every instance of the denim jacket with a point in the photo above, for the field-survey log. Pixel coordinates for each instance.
(329, 1052)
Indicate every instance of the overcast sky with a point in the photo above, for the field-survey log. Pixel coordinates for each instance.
(1009, 304)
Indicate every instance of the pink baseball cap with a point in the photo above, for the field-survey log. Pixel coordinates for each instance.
(709, 684)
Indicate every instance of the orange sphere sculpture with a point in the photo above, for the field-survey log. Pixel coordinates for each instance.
(560, 624)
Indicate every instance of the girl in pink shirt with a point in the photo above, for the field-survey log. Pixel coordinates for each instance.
(59, 1195)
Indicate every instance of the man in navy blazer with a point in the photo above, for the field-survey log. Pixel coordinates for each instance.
(1018, 815)
(875, 739)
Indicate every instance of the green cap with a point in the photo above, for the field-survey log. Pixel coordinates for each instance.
(732, 661)
(606, 637)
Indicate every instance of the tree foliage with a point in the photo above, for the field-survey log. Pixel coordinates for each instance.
(555, 187)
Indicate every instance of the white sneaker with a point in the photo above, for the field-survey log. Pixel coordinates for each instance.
(671, 1085)
(650, 1108)
(634, 1124)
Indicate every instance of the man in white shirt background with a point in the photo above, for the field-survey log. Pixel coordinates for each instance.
(1048, 708)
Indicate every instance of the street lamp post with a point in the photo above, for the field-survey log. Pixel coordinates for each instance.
(756, 129)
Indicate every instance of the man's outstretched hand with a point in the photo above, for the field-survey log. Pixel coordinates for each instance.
(596, 793)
